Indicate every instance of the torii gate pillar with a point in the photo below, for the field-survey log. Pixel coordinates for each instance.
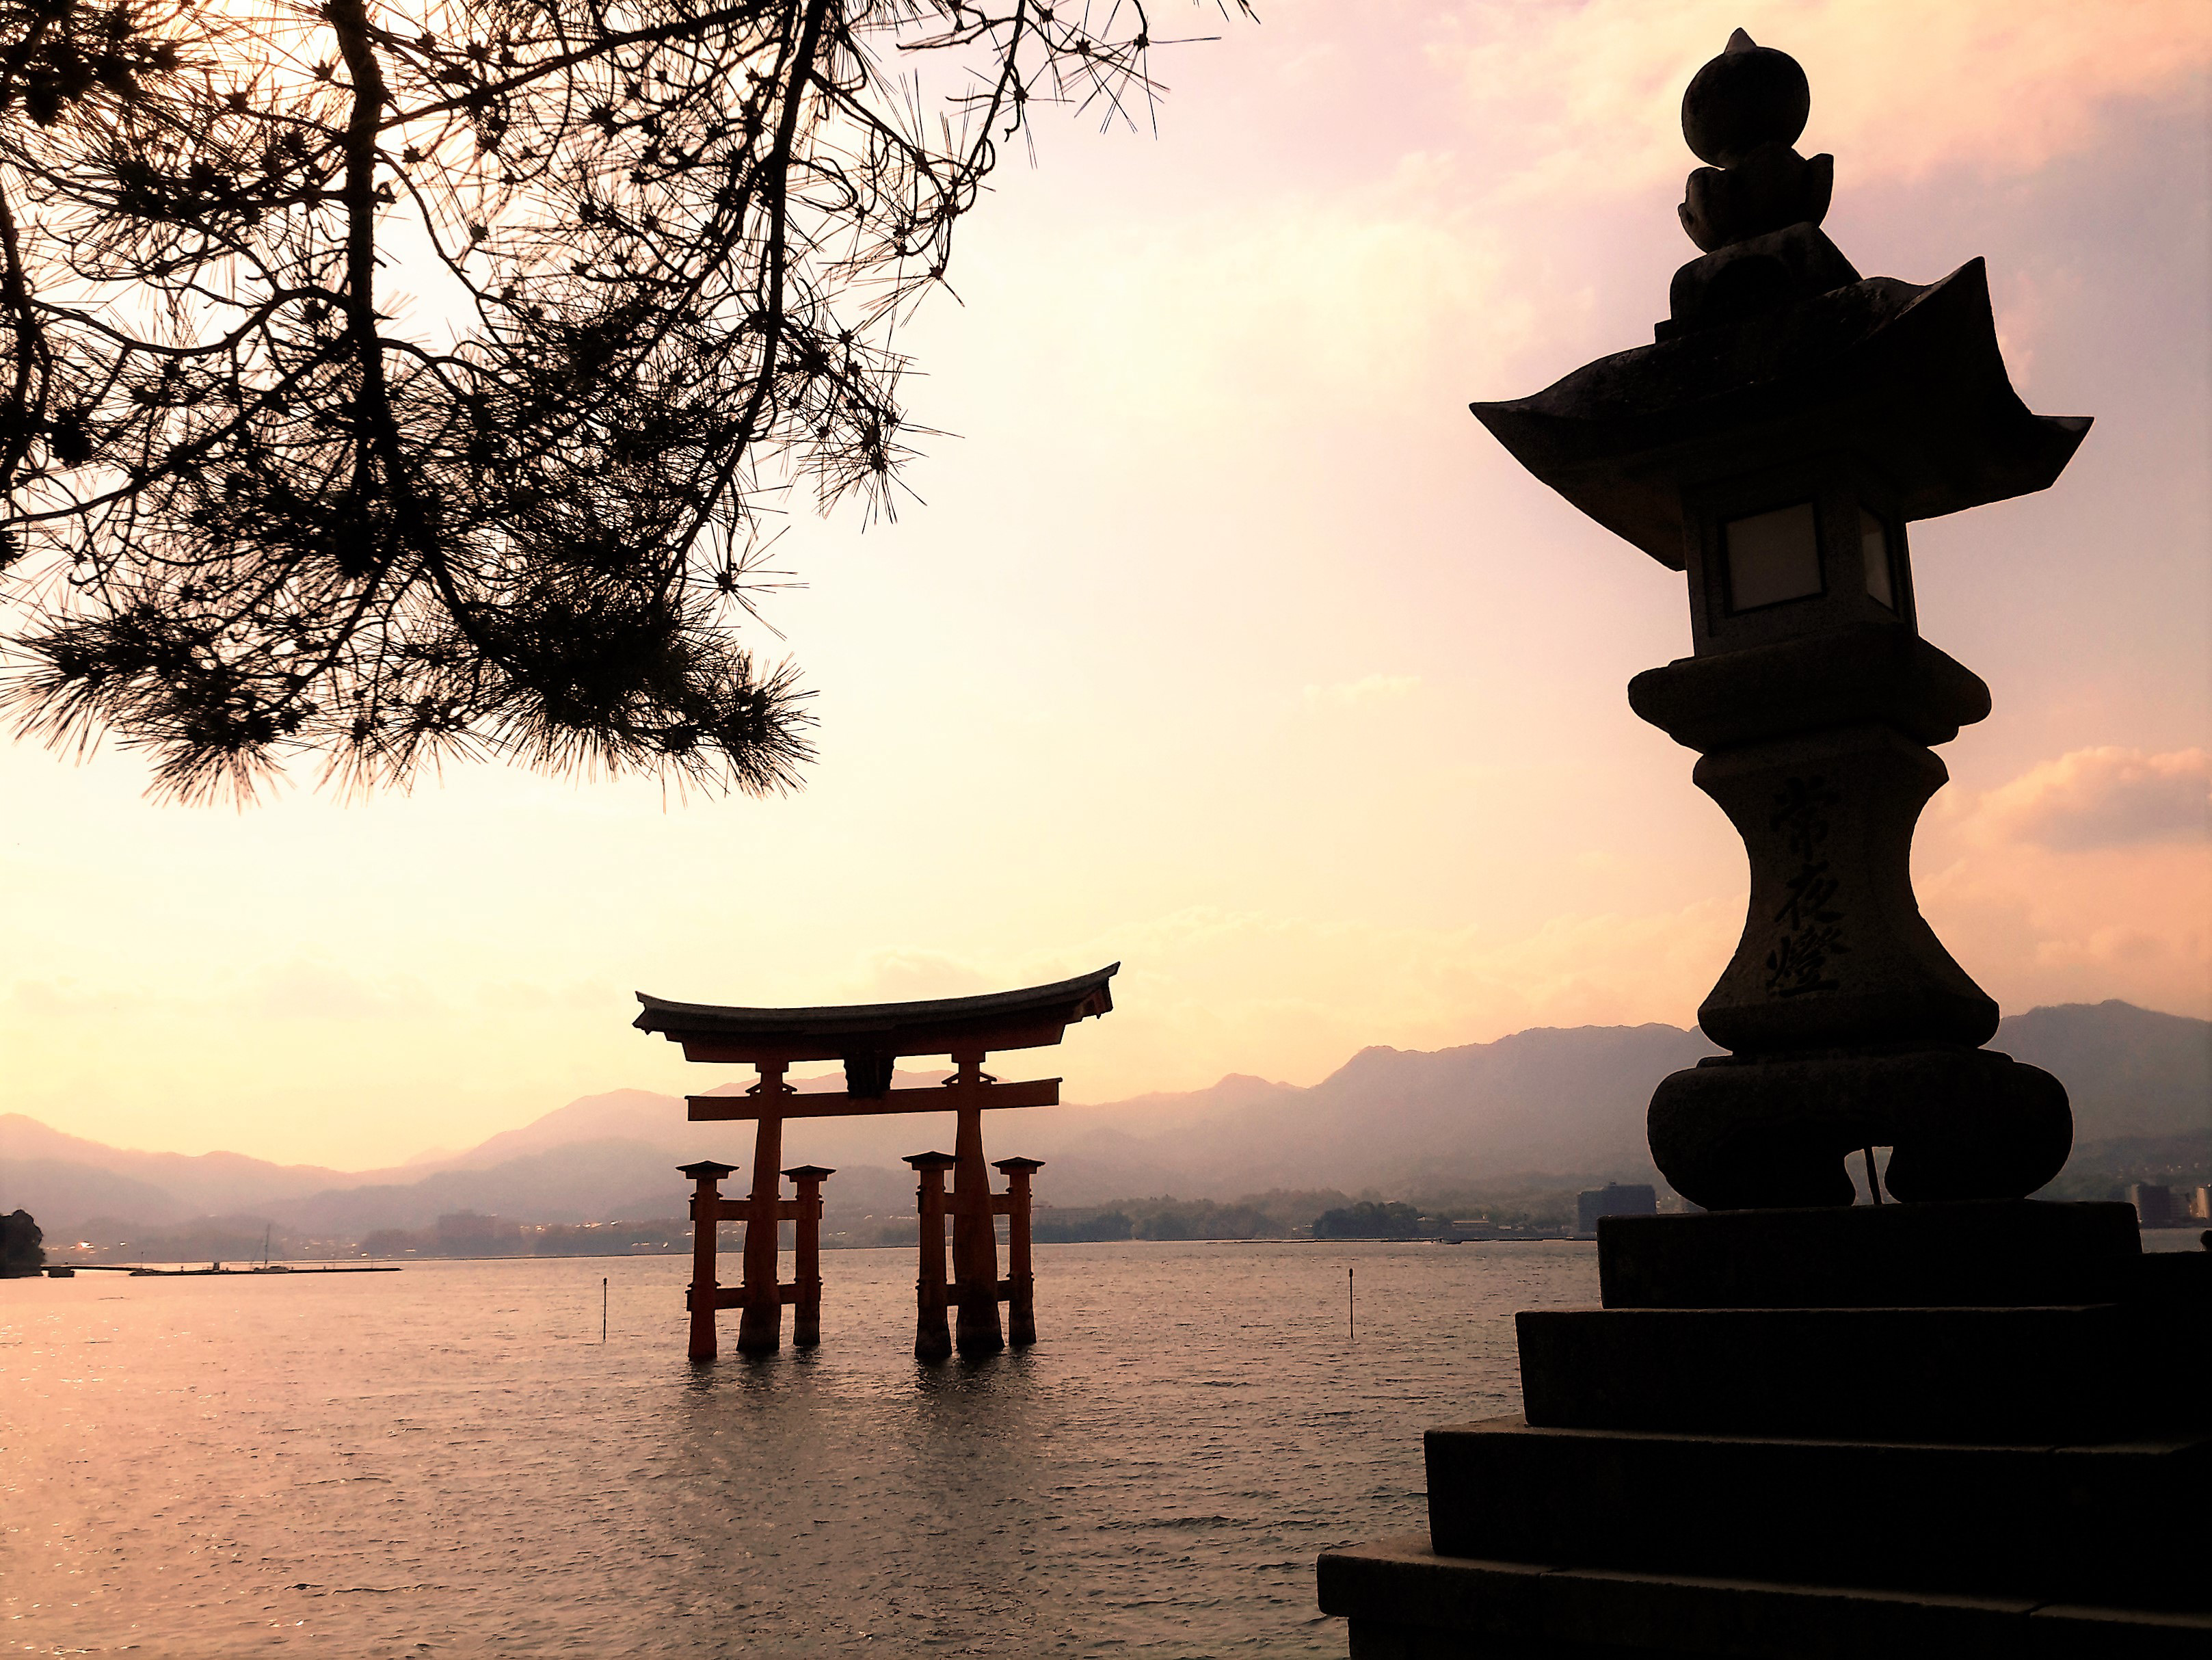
(933, 1333)
(704, 1297)
(975, 1236)
(1021, 1269)
(760, 1324)
(806, 1273)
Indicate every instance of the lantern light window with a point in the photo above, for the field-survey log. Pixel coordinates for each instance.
(1873, 553)
(1772, 558)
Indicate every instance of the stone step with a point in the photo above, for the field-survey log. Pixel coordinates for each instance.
(1404, 1601)
(2123, 1523)
(1973, 1254)
(1915, 1374)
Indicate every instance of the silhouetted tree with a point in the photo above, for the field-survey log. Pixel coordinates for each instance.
(22, 1245)
(258, 506)
(1369, 1220)
(1057, 1226)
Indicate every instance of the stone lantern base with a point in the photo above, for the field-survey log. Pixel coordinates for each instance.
(1968, 1429)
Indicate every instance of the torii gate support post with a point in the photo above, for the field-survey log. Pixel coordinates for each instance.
(760, 1325)
(974, 1235)
(705, 1295)
(932, 1337)
(807, 1276)
(1021, 1274)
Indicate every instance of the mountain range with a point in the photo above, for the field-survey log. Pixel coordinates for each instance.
(1568, 1102)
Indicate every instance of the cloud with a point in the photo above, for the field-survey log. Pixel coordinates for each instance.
(1293, 305)
(2102, 798)
(302, 991)
(37, 999)
(1351, 693)
(907, 976)
(1207, 990)
(1590, 94)
(2087, 877)
(524, 997)
(1342, 297)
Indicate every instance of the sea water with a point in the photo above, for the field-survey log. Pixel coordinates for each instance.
(448, 1460)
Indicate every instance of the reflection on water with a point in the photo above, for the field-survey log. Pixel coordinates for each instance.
(448, 1460)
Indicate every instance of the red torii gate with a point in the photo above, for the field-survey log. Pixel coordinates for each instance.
(870, 1039)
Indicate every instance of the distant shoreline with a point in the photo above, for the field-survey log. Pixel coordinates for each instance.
(170, 1269)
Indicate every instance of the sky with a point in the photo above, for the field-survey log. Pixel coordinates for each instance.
(1217, 639)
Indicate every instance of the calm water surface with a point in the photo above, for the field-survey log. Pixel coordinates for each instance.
(447, 1460)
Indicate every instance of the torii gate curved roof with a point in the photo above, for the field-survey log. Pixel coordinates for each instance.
(1029, 1018)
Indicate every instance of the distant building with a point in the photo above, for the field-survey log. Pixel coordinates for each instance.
(1613, 1198)
(2200, 1205)
(2155, 1206)
(1478, 1228)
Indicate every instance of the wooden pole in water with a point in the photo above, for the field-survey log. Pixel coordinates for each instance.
(603, 1309)
(1351, 1323)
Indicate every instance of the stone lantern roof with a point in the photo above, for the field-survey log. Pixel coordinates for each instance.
(1776, 348)
(1907, 378)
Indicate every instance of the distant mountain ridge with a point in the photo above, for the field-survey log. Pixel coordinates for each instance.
(191, 1183)
(1568, 1101)
(2129, 1071)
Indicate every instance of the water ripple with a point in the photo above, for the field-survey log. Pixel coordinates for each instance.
(447, 1460)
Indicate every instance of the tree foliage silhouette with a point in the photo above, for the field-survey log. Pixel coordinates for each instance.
(259, 507)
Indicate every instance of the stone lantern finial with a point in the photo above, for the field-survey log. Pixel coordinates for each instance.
(1743, 113)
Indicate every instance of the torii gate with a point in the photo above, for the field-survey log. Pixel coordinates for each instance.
(870, 1039)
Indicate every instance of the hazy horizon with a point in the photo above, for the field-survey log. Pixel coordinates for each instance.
(1222, 641)
(736, 1138)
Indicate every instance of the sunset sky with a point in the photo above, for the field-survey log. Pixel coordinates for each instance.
(1222, 641)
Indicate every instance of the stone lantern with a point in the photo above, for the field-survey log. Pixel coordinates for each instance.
(1790, 424)
(1794, 1426)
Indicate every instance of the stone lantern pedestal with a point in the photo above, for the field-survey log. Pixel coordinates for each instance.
(1965, 1423)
